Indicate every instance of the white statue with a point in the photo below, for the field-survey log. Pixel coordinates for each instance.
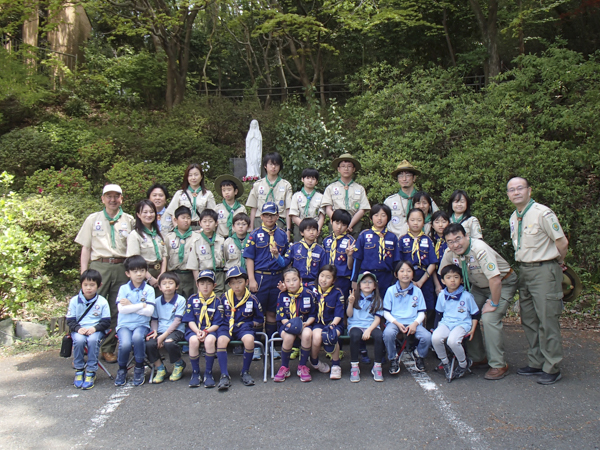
(253, 150)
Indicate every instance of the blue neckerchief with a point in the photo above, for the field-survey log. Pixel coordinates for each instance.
(84, 300)
(403, 292)
(455, 295)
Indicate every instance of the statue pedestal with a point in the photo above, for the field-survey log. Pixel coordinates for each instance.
(238, 167)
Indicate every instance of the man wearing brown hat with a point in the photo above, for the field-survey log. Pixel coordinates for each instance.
(401, 203)
(346, 194)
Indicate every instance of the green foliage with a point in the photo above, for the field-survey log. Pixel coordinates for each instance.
(67, 181)
(95, 160)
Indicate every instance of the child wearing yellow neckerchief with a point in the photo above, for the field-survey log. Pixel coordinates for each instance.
(307, 256)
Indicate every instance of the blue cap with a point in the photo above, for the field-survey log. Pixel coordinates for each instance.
(294, 326)
(206, 274)
(234, 272)
(330, 338)
(269, 208)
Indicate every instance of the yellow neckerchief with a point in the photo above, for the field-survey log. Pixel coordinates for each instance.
(415, 247)
(333, 248)
(229, 296)
(293, 303)
(322, 296)
(381, 235)
(204, 311)
(309, 249)
(438, 245)
(271, 234)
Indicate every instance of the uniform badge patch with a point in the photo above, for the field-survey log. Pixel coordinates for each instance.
(491, 266)
(357, 205)
(173, 243)
(395, 220)
(98, 226)
(261, 190)
(336, 191)
(555, 226)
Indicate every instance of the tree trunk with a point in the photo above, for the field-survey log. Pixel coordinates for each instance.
(448, 41)
(488, 27)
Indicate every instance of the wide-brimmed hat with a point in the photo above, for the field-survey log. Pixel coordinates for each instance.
(571, 285)
(238, 184)
(405, 166)
(345, 157)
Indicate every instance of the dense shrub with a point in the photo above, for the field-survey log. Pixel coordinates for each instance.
(23, 151)
(67, 181)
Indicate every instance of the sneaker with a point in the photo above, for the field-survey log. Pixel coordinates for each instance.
(138, 376)
(341, 354)
(78, 381)
(549, 378)
(394, 366)
(527, 371)
(238, 350)
(257, 354)
(364, 358)
(224, 383)
(419, 364)
(177, 371)
(121, 377)
(459, 372)
(320, 366)
(160, 375)
(195, 380)
(336, 373)
(209, 381)
(377, 373)
(354, 374)
(304, 374)
(282, 374)
(247, 379)
(276, 354)
(447, 368)
(295, 353)
(90, 379)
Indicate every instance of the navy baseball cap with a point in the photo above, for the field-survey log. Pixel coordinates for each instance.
(206, 274)
(330, 338)
(294, 326)
(234, 272)
(269, 208)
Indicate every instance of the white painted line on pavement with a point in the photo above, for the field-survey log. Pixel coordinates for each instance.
(464, 431)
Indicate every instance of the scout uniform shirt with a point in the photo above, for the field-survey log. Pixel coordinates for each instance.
(335, 250)
(329, 305)
(304, 305)
(166, 312)
(203, 312)
(173, 250)
(459, 309)
(404, 304)
(362, 318)
(203, 201)
(280, 193)
(399, 207)
(298, 205)
(421, 254)
(201, 255)
(335, 196)
(482, 263)
(95, 234)
(141, 244)
(234, 248)
(247, 312)
(99, 312)
(224, 214)
(471, 226)
(377, 251)
(257, 248)
(540, 228)
(307, 259)
(142, 294)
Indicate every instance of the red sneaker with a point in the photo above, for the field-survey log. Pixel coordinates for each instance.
(304, 373)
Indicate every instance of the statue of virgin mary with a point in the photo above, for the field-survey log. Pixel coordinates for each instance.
(253, 150)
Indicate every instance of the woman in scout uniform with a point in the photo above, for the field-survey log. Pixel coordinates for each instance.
(158, 194)
(346, 194)
(230, 188)
(306, 204)
(460, 208)
(193, 195)
(423, 201)
(145, 240)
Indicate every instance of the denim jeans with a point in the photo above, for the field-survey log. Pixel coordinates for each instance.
(389, 339)
(92, 342)
(127, 339)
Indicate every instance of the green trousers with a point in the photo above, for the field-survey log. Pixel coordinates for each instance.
(540, 298)
(187, 284)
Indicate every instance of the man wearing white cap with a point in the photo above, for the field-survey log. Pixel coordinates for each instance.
(103, 239)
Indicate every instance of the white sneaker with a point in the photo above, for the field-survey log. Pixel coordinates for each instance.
(320, 366)
(336, 373)
(257, 354)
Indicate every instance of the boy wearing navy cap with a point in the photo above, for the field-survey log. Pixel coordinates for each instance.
(240, 313)
(307, 256)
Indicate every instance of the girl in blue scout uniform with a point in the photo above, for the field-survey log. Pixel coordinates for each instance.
(241, 313)
(419, 250)
(296, 314)
(404, 311)
(364, 317)
(306, 255)
(335, 246)
(330, 314)
(423, 201)
(202, 319)
(377, 249)
(439, 222)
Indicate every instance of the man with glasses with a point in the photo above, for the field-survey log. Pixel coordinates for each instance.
(493, 284)
(540, 248)
(103, 240)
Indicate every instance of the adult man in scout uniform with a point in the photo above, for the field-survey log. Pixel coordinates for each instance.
(103, 240)
(230, 189)
(401, 203)
(346, 194)
(493, 284)
(540, 249)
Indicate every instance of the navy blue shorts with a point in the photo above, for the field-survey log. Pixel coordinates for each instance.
(238, 332)
(339, 327)
(267, 291)
(189, 333)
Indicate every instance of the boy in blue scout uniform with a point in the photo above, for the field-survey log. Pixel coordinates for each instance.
(307, 256)
(87, 331)
(335, 246)
(201, 319)
(241, 313)
(265, 263)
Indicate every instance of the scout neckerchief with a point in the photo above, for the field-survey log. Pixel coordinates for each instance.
(438, 245)
(195, 193)
(464, 267)
(112, 221)
(241, 245)
(271, 234)
(403, 292)
(346, 188)
(455, 219)
(322, 296)
(182, 238)
(408, 197)
(230, 210)
(153, 235)
(416, 247)
(309, 249)
(272, 188)
(520, 221)
(428, 218)
(211, 244)
(293, 303)
(204, 311)
(229, 296)
(308, 199)
(381, 235)
(455, 295)
(333, 248)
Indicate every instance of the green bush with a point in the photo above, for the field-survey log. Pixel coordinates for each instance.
(95, 160)
(66, 181)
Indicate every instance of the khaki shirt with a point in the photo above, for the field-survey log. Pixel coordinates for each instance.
(95, 235)
(483, 263)
(200, 257)
(233, 256)
(173, 243)
(224, 215)
(335, 196)
(539, 231)
(398, 205)
(142, 245)
(299, 203)
(472, 227)
(258, 195)
(203, 201)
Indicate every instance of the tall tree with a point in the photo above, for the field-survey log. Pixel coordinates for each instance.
(487, 21)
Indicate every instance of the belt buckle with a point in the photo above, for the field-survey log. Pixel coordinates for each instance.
(111, 260)
(156, 266)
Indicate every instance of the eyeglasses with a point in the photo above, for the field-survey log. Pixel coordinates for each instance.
(368, 281)
(518, 188)
(346, 166)
(455, 241)
(405, 175)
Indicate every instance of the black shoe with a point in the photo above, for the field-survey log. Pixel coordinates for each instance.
(419, 363)
(459, 372)
(549, 378)
(247, 379)
(209, 381)
(394, 366)
(527, 371)
(224, 383)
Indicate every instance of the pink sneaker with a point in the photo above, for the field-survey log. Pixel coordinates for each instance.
(282, 374)
(304, 373)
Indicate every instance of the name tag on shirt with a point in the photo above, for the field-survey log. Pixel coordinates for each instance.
(306, 302)
(249, 305)
(389, 243)
(424, 241)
